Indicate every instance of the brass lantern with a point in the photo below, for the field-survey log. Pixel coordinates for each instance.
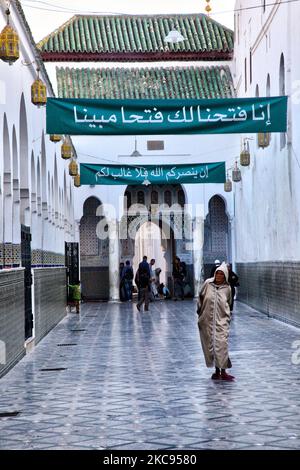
(77, 181)
(208, 7)
(38, 91)
(73, 168)
(228, 185)
(245, 155)
(55, 138)
(9, 43)
(236, 173)
(66, 150)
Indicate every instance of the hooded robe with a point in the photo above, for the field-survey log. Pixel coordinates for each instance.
(214, 320)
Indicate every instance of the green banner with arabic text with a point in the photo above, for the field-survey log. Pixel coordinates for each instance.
(137, 117)
(150, 174)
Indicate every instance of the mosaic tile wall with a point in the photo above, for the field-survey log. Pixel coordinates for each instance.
(271, 287)
(12, 326)
(10, 255)
(41, 258)
(50, 299)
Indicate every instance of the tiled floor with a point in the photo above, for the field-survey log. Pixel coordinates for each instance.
(138, 381)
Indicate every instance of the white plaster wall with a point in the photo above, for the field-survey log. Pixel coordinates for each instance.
(16, 80)
(267, 200)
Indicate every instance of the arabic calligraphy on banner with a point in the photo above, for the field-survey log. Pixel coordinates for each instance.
(132, 117)
(150, 174)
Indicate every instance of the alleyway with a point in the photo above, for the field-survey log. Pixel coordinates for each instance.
(138, 381)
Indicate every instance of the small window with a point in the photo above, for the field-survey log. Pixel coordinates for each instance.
(154, 197)
(181, 198)
(168, 198)
(128, 196)
(155, 145)
(141, 197)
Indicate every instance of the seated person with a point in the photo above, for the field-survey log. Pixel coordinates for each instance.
(163, 290)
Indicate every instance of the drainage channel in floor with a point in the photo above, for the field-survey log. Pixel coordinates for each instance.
(67, 344)
(9, 414)
(53, 369)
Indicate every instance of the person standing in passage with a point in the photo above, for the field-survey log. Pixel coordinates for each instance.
(121, 283)
(233, 282)
(75, 296)
(153, 289)
(179, 273)
(213, 310)
(144, 284)
(127, 277)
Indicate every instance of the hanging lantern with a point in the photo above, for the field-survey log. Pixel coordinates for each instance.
(38, 91)
(263, 139)
(245, 155)
(9, 43)
(66, 150)
(208, 7)
(55, 138)
(73, 168)
(77, 181)
(236, 173)
(228, 185)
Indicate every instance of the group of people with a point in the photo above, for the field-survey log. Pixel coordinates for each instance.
(146, 274)
(214, 308)
(127, 277)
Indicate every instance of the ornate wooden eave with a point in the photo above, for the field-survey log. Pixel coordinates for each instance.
(135, 57)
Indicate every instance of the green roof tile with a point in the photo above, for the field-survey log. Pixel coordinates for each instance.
(138, 37)
(138, 83)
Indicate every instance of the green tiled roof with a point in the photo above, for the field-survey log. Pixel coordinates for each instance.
(142, 37)
(138, 83)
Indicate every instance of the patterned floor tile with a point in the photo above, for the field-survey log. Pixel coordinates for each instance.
(133, 381)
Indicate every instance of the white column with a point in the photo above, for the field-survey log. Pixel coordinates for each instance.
(198, 240)
(114, 260)
(233, 232)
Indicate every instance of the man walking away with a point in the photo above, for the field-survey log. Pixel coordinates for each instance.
(144, 284)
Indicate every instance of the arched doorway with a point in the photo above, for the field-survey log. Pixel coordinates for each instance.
(155, 225)
(216, 234)
(94, 254)
(150, 241)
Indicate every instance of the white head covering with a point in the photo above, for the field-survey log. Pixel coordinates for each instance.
(217, 261)
(224, 270)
